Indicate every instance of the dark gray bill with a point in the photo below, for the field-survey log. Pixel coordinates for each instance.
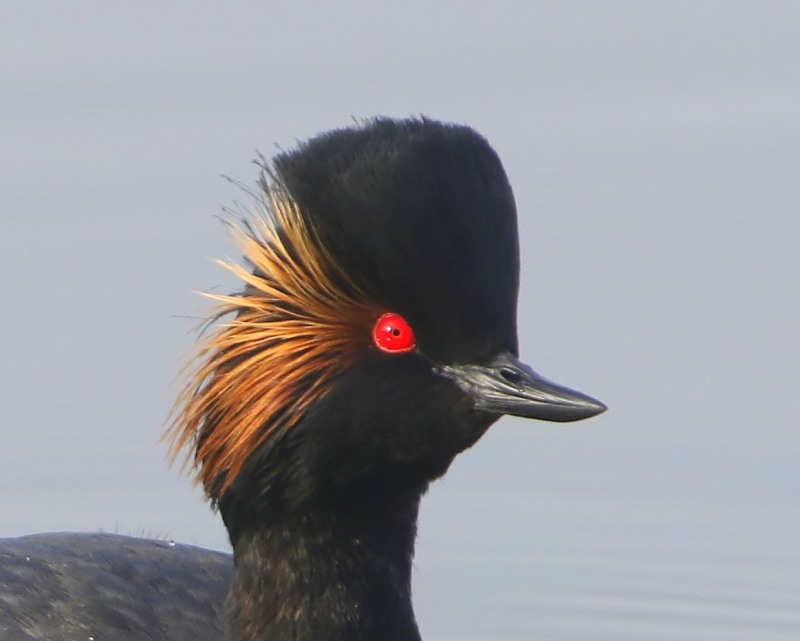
(509, 386)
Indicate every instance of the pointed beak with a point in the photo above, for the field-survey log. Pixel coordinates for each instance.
(509, 386)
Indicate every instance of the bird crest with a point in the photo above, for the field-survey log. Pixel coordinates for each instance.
(272, 349)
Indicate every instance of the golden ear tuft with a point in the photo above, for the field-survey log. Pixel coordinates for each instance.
(298, 322)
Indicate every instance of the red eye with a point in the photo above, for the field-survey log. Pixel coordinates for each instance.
(393, 334)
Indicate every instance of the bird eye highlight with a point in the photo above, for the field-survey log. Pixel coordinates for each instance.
(393, 334)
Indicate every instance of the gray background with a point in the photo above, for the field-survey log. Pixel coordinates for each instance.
(654, 149)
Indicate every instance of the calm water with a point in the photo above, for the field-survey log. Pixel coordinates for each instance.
(565, 563)
(654, 152)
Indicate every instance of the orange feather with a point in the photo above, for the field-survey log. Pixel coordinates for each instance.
(289, 333)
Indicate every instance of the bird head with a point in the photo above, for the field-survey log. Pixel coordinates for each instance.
(374, 337)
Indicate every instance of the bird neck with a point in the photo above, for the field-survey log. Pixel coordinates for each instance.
(339, 571)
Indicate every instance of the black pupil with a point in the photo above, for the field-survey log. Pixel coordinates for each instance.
(395, 332)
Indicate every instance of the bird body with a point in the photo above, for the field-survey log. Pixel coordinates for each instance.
(373, 340)
(79, 587)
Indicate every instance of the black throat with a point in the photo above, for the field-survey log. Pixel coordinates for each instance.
(323, 517)
(333, 571)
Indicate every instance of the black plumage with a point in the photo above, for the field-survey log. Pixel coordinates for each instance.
(80, 587)
(313, 438)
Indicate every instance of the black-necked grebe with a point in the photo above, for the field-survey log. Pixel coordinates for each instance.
(374, 339)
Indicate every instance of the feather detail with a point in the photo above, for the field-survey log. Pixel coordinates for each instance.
(298, 322)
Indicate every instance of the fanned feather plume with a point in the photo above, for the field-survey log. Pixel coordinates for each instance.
(298, 322)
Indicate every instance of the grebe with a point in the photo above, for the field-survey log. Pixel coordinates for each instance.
(374, 338)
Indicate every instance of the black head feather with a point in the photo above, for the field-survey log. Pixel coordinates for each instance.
(423, 215)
